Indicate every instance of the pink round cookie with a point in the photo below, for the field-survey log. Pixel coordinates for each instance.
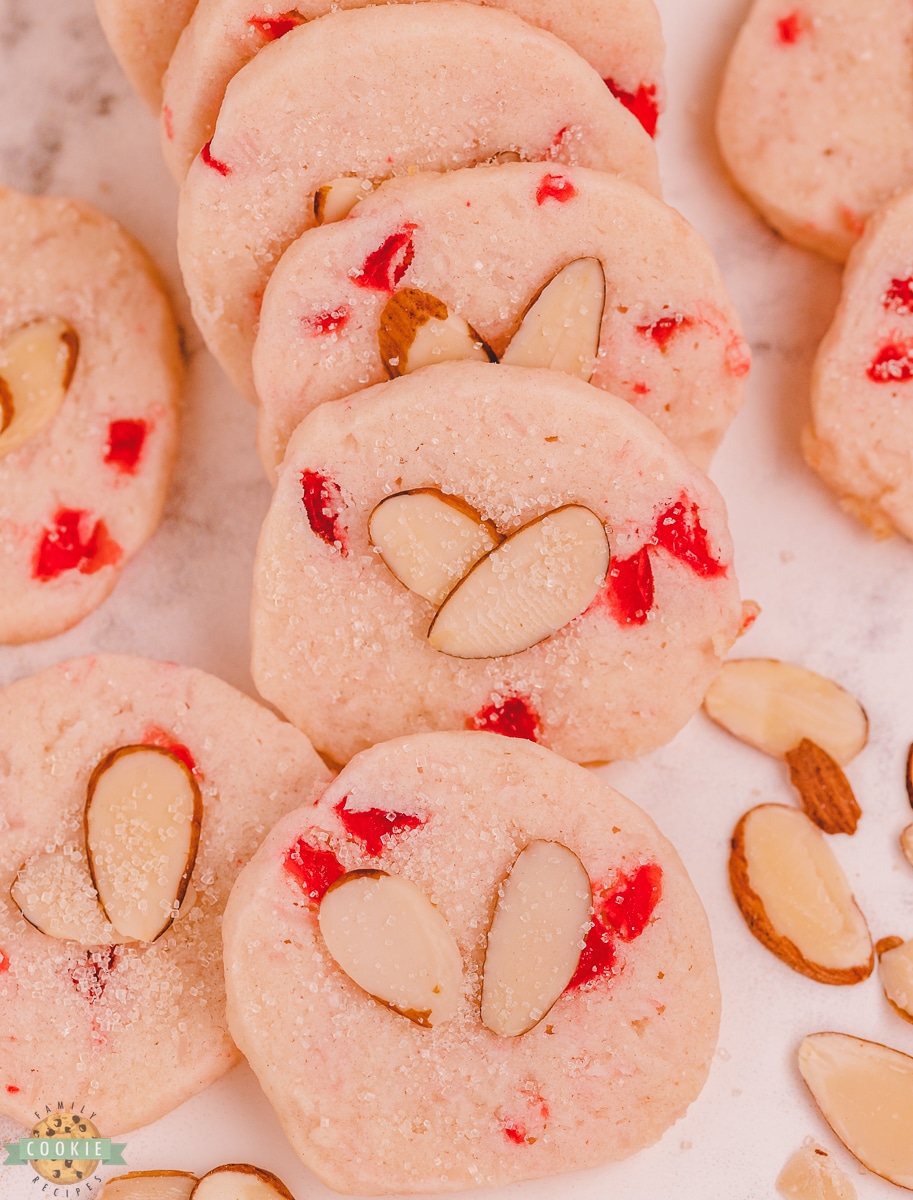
(374, 1102)
(143, 35)
(815, 118)
(485, 242)
(342, 642)
(92, 1013)
(621, 39)
(375, 92)
(861, 436)
(90, 377)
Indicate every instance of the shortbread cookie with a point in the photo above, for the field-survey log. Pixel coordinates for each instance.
(815, 118)
(861, 437)
(143, 34)
(525, 1055)
(485, 243)
(535, 640)
(90, 375)
(127, 1012)
(621, 39)
(375, 92)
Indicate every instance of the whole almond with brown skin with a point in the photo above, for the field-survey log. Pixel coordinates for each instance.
(826, 794)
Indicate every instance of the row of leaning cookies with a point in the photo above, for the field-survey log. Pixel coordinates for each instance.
(431, 793)
(328, 246)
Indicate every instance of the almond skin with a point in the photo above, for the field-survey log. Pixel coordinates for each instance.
(756, 917)
(826, 794)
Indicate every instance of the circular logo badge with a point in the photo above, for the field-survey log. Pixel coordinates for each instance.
(52, 1129)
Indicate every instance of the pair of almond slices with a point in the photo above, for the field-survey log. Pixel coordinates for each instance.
(494, 595)
(388, 937)
(234, 1181)
(560, 329)
(141, 826)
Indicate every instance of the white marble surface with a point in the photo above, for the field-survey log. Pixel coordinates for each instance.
(832, 599)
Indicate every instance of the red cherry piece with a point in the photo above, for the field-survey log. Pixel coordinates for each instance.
(4, 961)
(630, 588)
(91, 977)
(313, 869)
(323, 323)
(899, 296)
(154, 735)
(555, 187)
(168, 122)
(892, 364)
(790, 29)
(515, 1134)
(679, 530)
(665, 329)
(63, 548)
(323, 505)
(215, 163)
(597, 958)
(125, 445)
(273, 28)
(514, 717)
(372, 825)
(384, 267)
(641, 104)
(628, 907)
(12, 1089)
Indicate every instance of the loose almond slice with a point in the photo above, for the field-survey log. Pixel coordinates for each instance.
(906, 844)
(536, 582)
(826, 794)
(241, 1181)
(151, 1185)
(429, 540)
(795, 897)
(36, 366)
(811, 1174)
(865, 1093)
(774, 705)
(337, 198)
(536, 936)
(54, 892)
(142, 821)
(417, 330)
(561, 327)
(895, 970)
(389, 938)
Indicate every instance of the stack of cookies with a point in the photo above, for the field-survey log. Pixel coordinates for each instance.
(492, 367)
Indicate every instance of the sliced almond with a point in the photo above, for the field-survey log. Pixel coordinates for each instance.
(812, 1174)
(536, 936)
(561, 327)
(429, 540)
(388, 937)
(536, 582)
(337, 198)
(417, 330)
(151, 1185)
(795, 897)
(54, 892)
(908, 773)
(826, 794)
(895, 971)
(241, 1181)
(36, 366)
(142, 822)
(865, 1093)
(774, 705)
(906, 844)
